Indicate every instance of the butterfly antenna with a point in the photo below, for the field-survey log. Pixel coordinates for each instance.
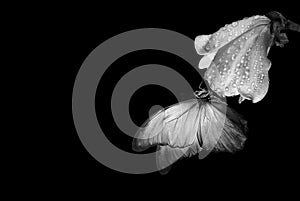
(201, 91)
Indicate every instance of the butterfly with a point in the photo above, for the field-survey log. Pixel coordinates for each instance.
(235, 59)
(195, 126)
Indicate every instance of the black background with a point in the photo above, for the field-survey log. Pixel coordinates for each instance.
(269, 153)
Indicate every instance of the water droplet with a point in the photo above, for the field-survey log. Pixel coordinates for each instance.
(234, 24)
(233, 56)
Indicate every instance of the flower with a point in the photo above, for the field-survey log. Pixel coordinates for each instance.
(236, 58)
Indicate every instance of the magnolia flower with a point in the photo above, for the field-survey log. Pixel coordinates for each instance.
(236, 55)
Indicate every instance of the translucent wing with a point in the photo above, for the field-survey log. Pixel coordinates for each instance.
(176, 128)
(222, 128)
(188, 128)
(223, 131)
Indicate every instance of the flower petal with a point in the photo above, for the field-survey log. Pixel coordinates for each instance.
(240, 65)
(205, 44)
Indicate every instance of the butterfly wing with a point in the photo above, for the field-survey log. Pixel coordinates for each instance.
(222, 128)
(174, 129)
(171, 126)
(187, 128)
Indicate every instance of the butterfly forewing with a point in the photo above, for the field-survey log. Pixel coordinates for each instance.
(174, 126)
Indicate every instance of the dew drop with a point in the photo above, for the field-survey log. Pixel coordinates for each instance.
(233, 56)
(234, 24)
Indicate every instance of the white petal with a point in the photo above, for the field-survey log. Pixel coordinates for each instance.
(206, 60)
(200, 43)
